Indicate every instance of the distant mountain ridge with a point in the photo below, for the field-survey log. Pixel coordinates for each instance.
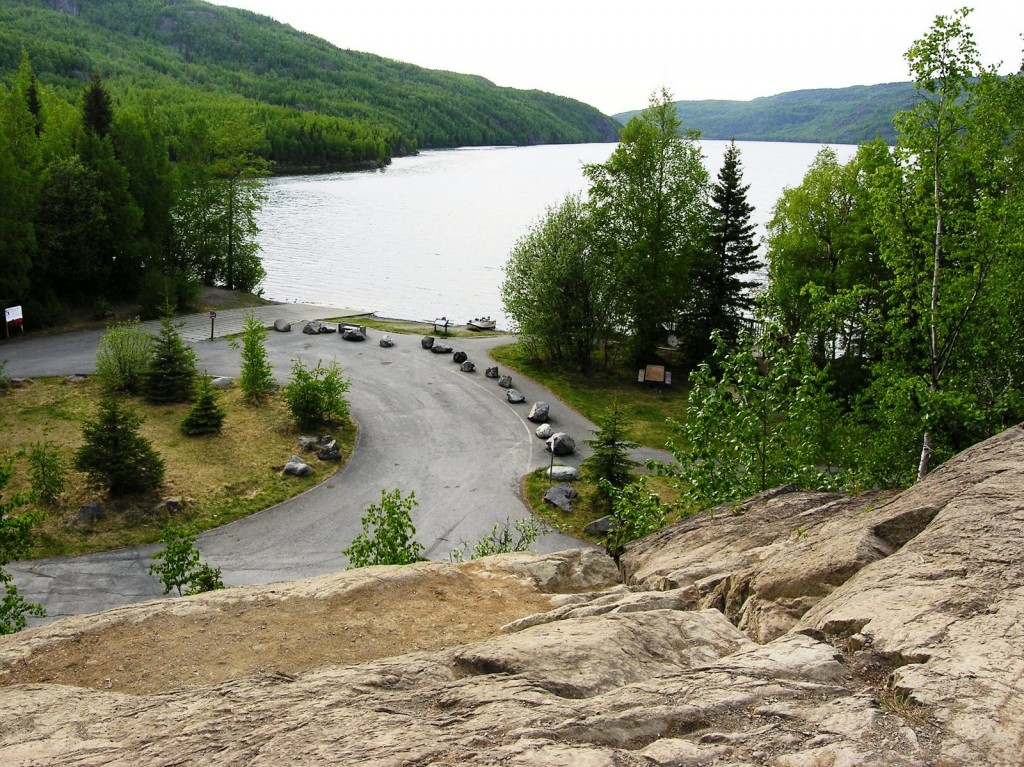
(180, 48)
(850, 115)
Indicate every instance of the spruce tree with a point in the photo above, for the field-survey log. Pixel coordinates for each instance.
(171, 374)
(257, 381)
(206, 416)
(610, 464)
(733, 251)
(115, 455)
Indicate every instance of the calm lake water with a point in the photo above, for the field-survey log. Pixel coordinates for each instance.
(429, 235)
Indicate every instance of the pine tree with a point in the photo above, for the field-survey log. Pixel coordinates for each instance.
(206, 416)
(257, 381)
(115, 455)
(734, 251)
(610, 464)
(171, 374)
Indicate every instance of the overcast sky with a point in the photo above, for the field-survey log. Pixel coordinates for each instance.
(613, 55)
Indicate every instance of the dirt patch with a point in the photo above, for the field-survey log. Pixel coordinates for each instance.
(282, 636)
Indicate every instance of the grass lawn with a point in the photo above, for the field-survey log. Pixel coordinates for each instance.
(218, 478)
(592, 394)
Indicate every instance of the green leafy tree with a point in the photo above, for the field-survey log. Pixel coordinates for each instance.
(15, 539)
(610, 464)
(20, 166)
(178, 566)
(650, 208)
(557, 287)
(636, 512)
(47, 472)
(317, 397)
(171, 374)
(388, 533)
(257, 380)
(206, 416)
(122, 357)
(825, 271)
(754, 424)
(220, 192)
(115, 455)
(949, 217)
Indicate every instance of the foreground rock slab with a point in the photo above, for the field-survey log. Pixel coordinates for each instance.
(794, 629)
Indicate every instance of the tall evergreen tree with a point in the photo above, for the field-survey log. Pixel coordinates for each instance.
(97, 109)
(171, 375)
(733, 250)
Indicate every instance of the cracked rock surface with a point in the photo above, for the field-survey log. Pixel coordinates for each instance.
(795, 629)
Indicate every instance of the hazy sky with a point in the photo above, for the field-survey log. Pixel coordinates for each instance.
(613, 55)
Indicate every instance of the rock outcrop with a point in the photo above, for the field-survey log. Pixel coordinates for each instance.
(794, 629)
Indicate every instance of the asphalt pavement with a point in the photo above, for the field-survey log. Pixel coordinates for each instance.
(424, 426)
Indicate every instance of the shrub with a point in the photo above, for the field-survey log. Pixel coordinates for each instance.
(171, 374)
(317, 397)
(122, 357)
(518, 536)
(257, 381)
(206, 416)
(178, 564)
(15, 539)
(387, 536)
(47, 471)
(115, 455)
(636, 512)
(159, 290)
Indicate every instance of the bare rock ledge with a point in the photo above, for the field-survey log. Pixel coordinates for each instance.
(795, 629)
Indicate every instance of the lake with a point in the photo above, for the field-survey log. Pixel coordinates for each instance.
(429, 235)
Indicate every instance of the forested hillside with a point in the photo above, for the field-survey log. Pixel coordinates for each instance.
(321, 107)
(822, 116)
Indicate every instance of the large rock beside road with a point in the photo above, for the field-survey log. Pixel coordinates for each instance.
(795, 630)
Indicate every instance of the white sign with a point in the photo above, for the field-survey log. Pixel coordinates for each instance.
(13, 313)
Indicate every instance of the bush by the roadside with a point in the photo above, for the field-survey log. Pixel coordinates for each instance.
(317, 397)
(122, 357)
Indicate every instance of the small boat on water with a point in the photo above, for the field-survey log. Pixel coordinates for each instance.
(481, 323)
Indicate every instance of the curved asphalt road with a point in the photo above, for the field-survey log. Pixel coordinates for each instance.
(424, 425)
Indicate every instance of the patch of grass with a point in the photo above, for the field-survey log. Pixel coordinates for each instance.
(645, 407)
(586, 508)
(218, 478)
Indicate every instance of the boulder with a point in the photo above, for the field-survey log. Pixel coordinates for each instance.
(386, 341)
(561, 443)
(544, 431)
(515, 397)
(76, 378)
(282, 326)
(562, 496)
(89, 512)
(353, 334)
(441, 349)
(505, 382)
(468, 366)
(296, 467)
(427, 342)
(539, 412)
(329, 450)
(600, 526)
(309, 444)
(563, 473)
(222, 382)
(491, 372)
(460, 357)
(311, 328)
